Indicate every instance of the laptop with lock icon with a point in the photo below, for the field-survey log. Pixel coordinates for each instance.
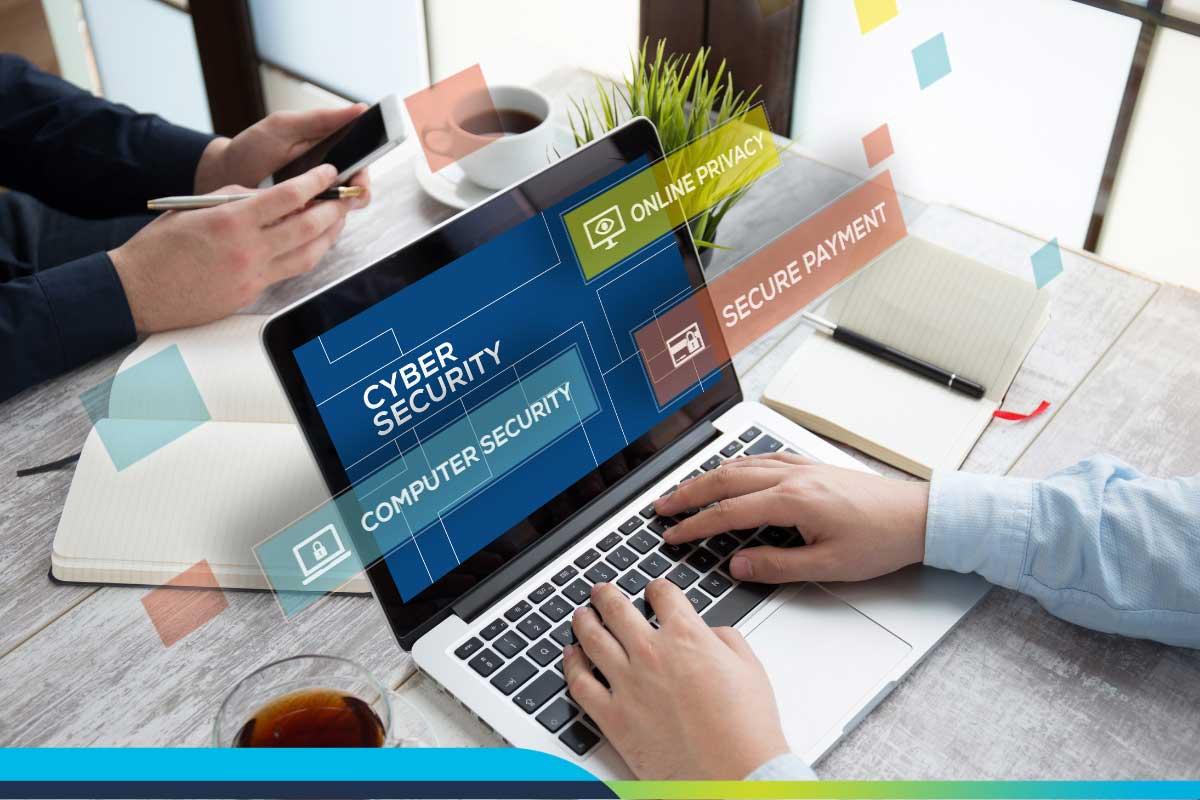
(319, 553)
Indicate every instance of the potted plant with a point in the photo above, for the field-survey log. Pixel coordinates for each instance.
(682, 99)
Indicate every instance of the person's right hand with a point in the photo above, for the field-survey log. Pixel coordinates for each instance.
(856, 525)
(190, 267)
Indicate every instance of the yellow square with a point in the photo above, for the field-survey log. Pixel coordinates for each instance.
(873, 13)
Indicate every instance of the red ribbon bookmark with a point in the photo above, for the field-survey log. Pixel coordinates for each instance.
(1013, 416)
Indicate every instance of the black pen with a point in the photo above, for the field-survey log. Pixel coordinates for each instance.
(911, 363)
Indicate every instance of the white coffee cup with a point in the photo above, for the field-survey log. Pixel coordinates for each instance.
(495, 160)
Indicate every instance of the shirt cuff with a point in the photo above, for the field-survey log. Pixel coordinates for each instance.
(171, 155)
(785, 767)
(89, 308)
(979, 523)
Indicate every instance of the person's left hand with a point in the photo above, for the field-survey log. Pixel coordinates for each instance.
(686, 701)
(268, 145)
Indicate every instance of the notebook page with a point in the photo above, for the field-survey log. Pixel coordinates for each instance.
(212, 495)
(945, 308)
(229, 366)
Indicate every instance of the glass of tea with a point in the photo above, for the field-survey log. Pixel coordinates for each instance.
(312, 701)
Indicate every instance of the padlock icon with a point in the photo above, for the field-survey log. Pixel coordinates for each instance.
(319, 551)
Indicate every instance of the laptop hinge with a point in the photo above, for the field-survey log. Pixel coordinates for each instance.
(484, 596)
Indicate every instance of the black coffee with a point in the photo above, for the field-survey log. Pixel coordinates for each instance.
(502, 120)
(313, 718)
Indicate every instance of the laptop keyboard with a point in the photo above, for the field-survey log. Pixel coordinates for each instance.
(519, 653)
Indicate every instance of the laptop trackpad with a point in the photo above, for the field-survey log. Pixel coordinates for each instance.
(825, 660)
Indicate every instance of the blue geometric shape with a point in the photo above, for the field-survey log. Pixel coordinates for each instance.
(1047, 263)
(144, 407)
(932, 60)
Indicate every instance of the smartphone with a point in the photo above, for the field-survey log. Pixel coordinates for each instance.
(365, 139)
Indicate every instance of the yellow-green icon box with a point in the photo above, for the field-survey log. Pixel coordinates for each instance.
(623, 219)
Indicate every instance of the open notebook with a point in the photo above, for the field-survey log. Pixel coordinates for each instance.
(211, 494)
(935, 304)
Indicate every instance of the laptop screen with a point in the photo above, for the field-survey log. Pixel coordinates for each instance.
(469, 400)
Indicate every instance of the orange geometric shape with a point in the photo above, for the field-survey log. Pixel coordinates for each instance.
(184, 603)
(681, 346)
(445, 114)
(878, 145)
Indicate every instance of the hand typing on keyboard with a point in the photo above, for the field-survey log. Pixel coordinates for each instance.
(855, 525)
(686, 701)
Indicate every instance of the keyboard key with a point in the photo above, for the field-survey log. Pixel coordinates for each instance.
(654, 565)
(744, 534)
(723, 543)
(750, 435)
(711, 464)
(647, 512)
(533, 626)
(509, 679)
(682, 576)
(630, 525)
(798, 541)
(555, 609)
(579, 737)
(776, 536)
(559, 666)
(564, 634)
(557, 714)
(485, 663)
(633, 581)
(565, 574)
(493, 630)
(676, 552)
(766, 444)
(715, 584)
(599, 676)
(658, 525)
(643, 541)
(517, 611)
(621, 558)
(698, 600)
(544, 652)
(731, 448)
(702, 559)
(468, 647)
(578, 592)
(608, 542)
(693, 474)
(541, 593)
(601, 573)
(589, 556)
(535, 695)
(643, 607)
(737, 603)
(509, 644)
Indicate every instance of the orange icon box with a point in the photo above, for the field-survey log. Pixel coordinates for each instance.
(184, 603)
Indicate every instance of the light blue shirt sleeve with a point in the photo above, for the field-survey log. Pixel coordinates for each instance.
(786, 767)
(1098, 544)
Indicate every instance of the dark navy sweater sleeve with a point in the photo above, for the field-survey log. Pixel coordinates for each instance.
(85, 155)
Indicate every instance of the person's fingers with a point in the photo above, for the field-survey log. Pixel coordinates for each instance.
(303, 258)
(766, 507)
(771, 460)
(735, 640)
(784, 565)
(583, 686)
(600, 645)
(620, 617)
(309, 125)
(717, 485)
(670, 606)
(290, 196)
(305, 225)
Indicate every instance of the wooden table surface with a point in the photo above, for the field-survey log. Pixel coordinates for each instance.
(1011, 693)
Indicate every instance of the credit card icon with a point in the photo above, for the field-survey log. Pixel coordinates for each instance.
(686, 345)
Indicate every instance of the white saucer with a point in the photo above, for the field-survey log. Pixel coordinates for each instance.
(450, 186)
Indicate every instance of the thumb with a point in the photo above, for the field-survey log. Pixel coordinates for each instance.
(780, 565)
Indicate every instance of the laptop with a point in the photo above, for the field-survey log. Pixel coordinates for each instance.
(504, 428)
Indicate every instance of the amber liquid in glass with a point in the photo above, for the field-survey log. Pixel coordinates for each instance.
(313, 718)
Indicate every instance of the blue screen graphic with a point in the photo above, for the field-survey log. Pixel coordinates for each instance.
(466, 401)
